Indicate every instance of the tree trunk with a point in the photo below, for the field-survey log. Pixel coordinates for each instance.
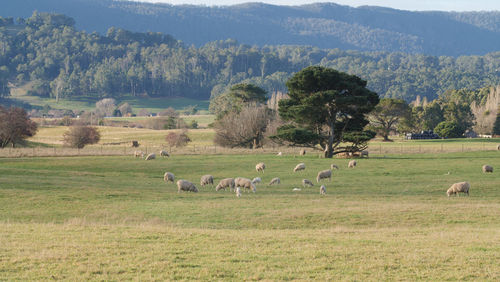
(329, 146)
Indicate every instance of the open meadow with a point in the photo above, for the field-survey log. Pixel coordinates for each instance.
(114, 218)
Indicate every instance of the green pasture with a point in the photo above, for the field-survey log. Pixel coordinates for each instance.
(114, 218)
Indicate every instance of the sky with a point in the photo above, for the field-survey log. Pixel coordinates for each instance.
(412, 5)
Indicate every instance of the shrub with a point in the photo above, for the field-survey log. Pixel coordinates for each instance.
(177, 139)
(448, 129)
(15, 126)
(81, 135)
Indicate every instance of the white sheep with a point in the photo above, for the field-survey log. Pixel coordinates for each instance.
(298, 167)
(164, 153)
(307, 182)
(302, 152)
(256, 180)
(184, 185)
(224, 183)
(322, 190)
(260, 167)
(151, 156)
(168, 176)
(238, 192)
(274, 181)
(458, 187)
(324, 174)
(279, 154)
(334, 166)
(207, 179)
(487, 168)
(352, 164)
(498, 147)
(138, 154)
(296, 189)
(244, 183)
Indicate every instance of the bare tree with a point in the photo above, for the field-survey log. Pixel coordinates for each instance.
(15, 126)
(105, 107)
(244, 129)
(178, 139)
(485, 115)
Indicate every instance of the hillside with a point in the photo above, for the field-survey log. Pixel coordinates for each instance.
(324, 25)
(58, 61)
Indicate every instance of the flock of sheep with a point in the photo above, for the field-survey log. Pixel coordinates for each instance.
(239, 183)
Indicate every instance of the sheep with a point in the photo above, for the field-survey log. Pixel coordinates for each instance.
(334, 166)
(302, 152)
(168, 176)
(164, 153)
(307, 182)
(322, 190)
(184, 185)
(364, 154)
(238, 192)
(256, 180)
(296, 189)
(244, 183)
(458, 187)
(487, 168)
(226, 182)
(352, 164)
(324, 174)
(138, 154)
(260, 167)
(207, 179)
(279, 154)
(298, 167)
(498, 147)
(275, 180)
(151, 156)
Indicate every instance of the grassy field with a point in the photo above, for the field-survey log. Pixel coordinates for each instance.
(88, 103)
(113, 218)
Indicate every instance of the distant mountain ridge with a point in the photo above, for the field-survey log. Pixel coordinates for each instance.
(324, 25)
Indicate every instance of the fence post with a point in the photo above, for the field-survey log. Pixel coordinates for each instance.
(54, 151)
(441, 147)
(380, 148)
(194, 148)
(215, 149)
(462, 147)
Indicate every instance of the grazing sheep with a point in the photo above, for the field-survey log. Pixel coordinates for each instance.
(498, 147)
(260, 167)
(244, 183)
(256, 180)
(184, 185)
(487, 168)
(168, 176)
(207, 179)
(296, 189)
(334, 166)
(458, 187)
(364, 154)
(307, 182)
(322, 190)
(352, 164)
(138, 154)
(164, 153)
(279, 154)
(151, 156)
(224, 183)
(324, 174)
(298, 167)
(275, 180)
(302, 152)
(238, 192)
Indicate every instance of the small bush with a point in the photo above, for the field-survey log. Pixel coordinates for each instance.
(177, 139)
(79, 136)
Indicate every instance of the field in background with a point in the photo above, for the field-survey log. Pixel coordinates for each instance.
(88, 103)
(113, 218)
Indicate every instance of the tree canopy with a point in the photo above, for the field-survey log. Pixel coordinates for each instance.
(386, 115)
(323, 105)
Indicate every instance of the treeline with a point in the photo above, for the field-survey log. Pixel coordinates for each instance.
(61, 62)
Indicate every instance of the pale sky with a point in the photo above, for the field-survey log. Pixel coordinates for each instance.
(412, 5)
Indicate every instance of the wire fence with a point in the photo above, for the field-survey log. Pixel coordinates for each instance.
(103, 150)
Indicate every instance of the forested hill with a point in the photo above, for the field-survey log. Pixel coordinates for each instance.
(47, 52)
(324, 25)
